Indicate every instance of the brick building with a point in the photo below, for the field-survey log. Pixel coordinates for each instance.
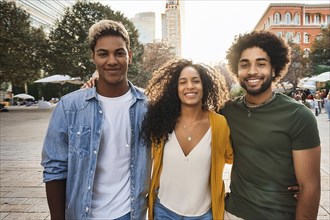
(301, 23)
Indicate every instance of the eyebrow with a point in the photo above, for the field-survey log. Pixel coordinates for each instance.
(258, 59)
(185, 78)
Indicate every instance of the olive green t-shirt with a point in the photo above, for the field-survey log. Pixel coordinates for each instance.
(263, 140)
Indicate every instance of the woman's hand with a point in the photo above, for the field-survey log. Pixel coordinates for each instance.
(296, 190)
(92, 81)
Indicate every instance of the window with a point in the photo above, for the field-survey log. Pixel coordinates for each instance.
(306, 38)
(307, 19)
(279, 34)
(277, 18)
(297, 38)
(287, 18)
(317, 19)
(270, 19)
(297, 18)
(306, 52)
(289, 36)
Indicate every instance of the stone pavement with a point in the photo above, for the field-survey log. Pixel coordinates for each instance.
(22, 193)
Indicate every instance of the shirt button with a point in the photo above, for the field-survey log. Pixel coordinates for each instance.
(78, 133)
(95, 152)
(100, 111)
(87, 209)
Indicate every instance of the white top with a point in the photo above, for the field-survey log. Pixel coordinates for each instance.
(111, 190)
(185, 180)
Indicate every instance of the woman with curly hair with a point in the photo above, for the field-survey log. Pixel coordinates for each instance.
(190, 143)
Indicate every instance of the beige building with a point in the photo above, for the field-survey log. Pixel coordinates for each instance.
(172, 25)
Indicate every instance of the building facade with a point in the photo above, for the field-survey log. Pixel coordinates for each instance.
(145, 23)
(171, 25)
(44, 13)
(300, 23)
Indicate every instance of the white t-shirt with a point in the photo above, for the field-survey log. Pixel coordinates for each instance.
(111, 190)
(185, 180)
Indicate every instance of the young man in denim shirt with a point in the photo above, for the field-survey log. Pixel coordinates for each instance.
(95, 164)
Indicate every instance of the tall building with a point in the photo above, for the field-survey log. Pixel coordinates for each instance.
(44, 13)
(300, 23)
(145, 23)
(171, 25)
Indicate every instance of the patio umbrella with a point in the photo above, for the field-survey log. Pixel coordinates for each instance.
(60, 79)
(323, 77)
(23, 96)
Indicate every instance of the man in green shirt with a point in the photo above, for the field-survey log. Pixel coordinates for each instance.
(275, 139)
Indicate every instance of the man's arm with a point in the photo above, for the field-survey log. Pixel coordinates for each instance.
(307, 169)
(55, 191)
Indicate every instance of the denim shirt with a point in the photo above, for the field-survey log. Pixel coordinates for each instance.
(72, 144)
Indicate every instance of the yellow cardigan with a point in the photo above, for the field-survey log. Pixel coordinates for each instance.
(221, 153)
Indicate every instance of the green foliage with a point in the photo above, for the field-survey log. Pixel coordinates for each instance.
(22, 47)
(69, 52)
(320, 53)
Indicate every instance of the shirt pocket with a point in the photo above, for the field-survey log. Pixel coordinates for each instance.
(80, 140)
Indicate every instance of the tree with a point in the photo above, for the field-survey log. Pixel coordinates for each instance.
(69, 52)
(320, 53)
(22, 46)
(298, 66)
(155, 55)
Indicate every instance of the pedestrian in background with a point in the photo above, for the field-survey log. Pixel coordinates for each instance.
(327, 104)
(275, 139)
(190, 142)
(96, 166)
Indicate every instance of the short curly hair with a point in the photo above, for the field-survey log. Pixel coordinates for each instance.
(106, 28)
(164, 106)
(275, 47)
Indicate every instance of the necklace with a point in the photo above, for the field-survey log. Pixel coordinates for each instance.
(256, 106)
(189, 138)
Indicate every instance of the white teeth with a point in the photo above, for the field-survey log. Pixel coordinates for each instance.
(253, 80)
(190, 94)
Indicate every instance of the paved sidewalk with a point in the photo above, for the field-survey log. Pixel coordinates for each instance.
(22, 193)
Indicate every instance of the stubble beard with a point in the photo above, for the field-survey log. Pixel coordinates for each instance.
(254, 92)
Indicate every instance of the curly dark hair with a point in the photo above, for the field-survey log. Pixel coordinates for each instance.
(275, 47)
(164, 105)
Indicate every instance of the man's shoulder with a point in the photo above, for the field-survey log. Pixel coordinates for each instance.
(75, 95)
(77, 99)
(138, 92)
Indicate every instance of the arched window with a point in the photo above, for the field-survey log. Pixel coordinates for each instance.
(287, 18)
(306, 52)
(306, 38)
(297, 38)
(307, 19)
(317, 19)
(297, 18)
(277, 18)
(288, 36)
